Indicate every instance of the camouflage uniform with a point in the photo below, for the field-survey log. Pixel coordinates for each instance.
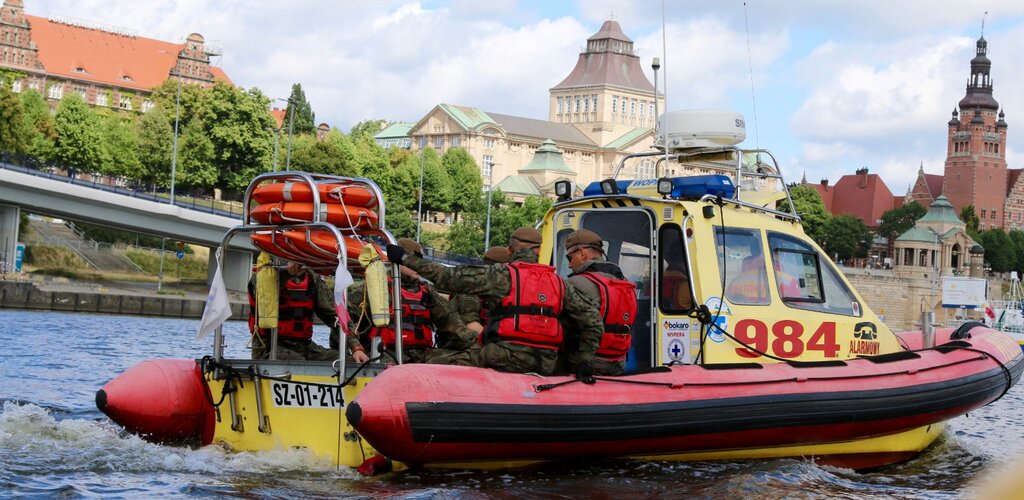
(600, 266)
(440, 315)
(492, 283)
(299, 349)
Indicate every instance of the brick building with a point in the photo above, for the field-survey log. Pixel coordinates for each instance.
(108, 67)
(862, 195)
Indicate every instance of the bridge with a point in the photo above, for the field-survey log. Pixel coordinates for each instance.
(46, 193)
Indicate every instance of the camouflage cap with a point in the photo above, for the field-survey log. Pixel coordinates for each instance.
(583, 238)
(497, 255)
(527, 235)
(410, 246)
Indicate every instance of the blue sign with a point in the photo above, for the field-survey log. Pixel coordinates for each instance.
(180, 255)
(19, 256)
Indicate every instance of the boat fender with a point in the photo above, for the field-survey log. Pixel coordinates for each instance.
(964, 331)
(377, 464)
(376, 276)
(267, 291)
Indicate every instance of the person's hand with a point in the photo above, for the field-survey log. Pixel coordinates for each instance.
(360, 357)
(475, 326)
(395, 254)
(585, 373)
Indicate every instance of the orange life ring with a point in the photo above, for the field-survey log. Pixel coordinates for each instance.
(342, 216)
(351, 195)
(293, 245)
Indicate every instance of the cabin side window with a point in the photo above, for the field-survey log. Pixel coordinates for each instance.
(741, 266)
(804, 279)
(674, 295)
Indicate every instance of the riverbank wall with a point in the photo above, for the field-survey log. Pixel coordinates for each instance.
(29, 295)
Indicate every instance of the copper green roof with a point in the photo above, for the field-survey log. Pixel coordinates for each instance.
(918, 233)
(628, 138)
(469, 118)
(395, 130)
(518, 184)
(941, 211)
(547, 157)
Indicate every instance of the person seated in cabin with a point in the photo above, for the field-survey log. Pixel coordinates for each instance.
(424, 312)
(524, 332)
(301, 294)
(605, 284)
(675, 281)
(750, 285)
(468, 307)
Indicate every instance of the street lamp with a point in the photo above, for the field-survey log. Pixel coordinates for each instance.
(174, 143)
(277, 134)
(490, 184)
(291, 121)
(419, 204)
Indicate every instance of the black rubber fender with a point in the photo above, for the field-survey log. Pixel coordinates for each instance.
(964, 331)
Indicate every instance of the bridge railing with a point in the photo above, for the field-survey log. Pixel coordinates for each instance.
(33, 166)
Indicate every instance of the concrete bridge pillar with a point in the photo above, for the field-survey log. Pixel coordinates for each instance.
(9, 218)
(237, 269)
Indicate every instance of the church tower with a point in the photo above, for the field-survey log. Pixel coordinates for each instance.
(607, 94)
(975, 169)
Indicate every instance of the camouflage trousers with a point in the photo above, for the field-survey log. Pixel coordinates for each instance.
(605, 367)
(292, 350)
(504, 357)
(413, 355)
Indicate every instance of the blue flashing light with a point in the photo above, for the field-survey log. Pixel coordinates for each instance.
(594, 189)
(696, 186)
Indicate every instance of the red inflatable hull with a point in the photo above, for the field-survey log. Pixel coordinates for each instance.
(423, 414)
(162, 400)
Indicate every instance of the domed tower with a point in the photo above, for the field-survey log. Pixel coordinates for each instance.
(607, 93)
(975, 169)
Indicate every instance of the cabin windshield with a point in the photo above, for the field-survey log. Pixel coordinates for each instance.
(741, 265)
(805, 279)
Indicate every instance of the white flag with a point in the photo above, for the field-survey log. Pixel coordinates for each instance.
(342, 279)
(217, 310)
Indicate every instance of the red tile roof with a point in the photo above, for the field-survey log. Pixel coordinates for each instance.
(867, 202)
(278, 115)
(1012, 175)
(826, 192)
(934, 184)
(104, 57)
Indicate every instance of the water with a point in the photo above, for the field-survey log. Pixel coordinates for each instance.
(53, 441)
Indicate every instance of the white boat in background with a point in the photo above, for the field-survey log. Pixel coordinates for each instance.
(1009, 313)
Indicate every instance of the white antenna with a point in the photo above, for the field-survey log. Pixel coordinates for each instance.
(750, 69)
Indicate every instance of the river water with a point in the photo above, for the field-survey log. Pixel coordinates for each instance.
(54, 442)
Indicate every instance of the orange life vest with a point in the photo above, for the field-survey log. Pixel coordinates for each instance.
(618, 310)
(416, 329)
(529, 314)
(295, 310)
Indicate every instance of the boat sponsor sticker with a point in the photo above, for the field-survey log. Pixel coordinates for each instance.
(720, 313)
(293, 395)
(865, 339)
(785, 338)
(674, 335)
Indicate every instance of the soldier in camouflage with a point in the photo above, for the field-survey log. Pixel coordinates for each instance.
(492, 284)
(468, 306)
(432, 303)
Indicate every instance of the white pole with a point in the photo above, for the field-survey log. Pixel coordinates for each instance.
(419, 204)
(487, 232)
(291, 120)
(174, 147)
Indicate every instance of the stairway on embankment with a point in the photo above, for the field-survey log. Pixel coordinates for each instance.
(99, 256)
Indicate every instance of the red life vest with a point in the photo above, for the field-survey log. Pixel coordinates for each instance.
(416, 322)
(528, 315)
(618, 310)
(295, 308)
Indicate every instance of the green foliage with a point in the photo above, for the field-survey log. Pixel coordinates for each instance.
(192, 102)
(507, 216)
(811, 210)
(53, 257)
(437, 186)
(120, 146)
(846, 237)
(366, 127)
(40, 129)
(105, 234)
(13, 132)
(999, 250)
(1017, 237)
(466, 237)
(235, 121)
(465, 179)
(195, 166)
(156, 137)
(190, 267)
(79, 143)
(970, 217)
(375, 164)
(304, 119)
(900, 219)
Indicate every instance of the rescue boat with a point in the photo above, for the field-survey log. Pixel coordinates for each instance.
(748, 343)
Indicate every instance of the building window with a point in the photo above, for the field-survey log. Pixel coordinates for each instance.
(632, 107)
(586, 104)
(993, 214)
(147, 105)
(489, 143)
(125, 103)
(983, 212)
(56, 91)
(439, 142)
(487, 165)
(615, 104)
(561, 101)
(593, 99)
(577, 104)
(16, 86)
(456, 141)
(438, 129)
(101, 98)
(423, 141)
(642, 110)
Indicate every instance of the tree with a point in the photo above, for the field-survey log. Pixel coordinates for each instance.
(846, 237)
(311, 155)
(79, 144)
(156, 139)
(40, 129)
(120, 146)
(195, 166)
(375, 164)
(367, 127)
(465, 179)
(507, 215)
(13, 131)
(1017, 237)
(236, 121)
(811, 210)
(437, 186)
(970, 218)
(189, 106)
(900, 219)
(304, 119)
(999, 250)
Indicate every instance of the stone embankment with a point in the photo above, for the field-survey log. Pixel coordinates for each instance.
(95, 298)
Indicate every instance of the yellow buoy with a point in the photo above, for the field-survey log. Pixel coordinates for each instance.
(376, 285)
(266, 292)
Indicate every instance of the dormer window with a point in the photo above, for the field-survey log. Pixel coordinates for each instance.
(127, 78)
(80, 70)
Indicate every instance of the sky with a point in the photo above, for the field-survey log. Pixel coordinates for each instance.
(829, 86)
